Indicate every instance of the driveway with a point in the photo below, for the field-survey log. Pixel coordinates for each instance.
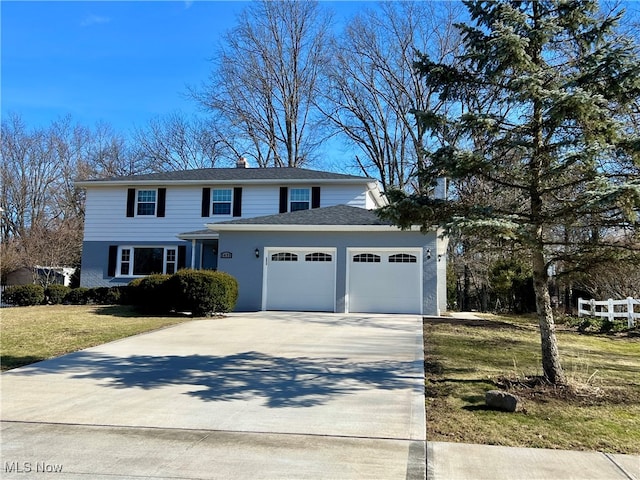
(261, 395)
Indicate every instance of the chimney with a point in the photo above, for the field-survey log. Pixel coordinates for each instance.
(242, 163)
(440, 192)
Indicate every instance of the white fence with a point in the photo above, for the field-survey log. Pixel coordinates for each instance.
(614, 309)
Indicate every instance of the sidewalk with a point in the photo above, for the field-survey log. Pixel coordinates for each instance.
(461, 461)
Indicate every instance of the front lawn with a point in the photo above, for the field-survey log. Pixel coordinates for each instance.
(31, 334)
(464, 359)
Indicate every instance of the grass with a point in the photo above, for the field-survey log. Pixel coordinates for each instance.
(598, 411)
(31, 334)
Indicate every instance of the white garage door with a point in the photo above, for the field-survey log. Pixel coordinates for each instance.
(385, 281)
(297, 279)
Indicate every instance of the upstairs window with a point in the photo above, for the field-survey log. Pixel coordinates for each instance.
(221, 201)
(299, 199)
(146, 203)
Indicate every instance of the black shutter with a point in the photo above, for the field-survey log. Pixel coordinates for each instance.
(315, 197)
(162, 198)
(182, 256)
(284, 199)
(206, 201)
(113, 260)
(237, 202)
(131, 202)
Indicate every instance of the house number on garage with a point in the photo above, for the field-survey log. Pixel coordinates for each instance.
(226, 255)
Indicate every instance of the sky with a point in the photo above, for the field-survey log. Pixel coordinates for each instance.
(119, 62)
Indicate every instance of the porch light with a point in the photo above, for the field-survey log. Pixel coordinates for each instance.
(257, 252)
(428, 253)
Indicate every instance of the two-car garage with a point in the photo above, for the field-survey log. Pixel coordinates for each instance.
(376, 280)
(338, 259)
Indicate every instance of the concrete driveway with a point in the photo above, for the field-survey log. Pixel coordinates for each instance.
(262, 395)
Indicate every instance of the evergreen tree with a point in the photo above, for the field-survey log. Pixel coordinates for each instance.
(552, 84)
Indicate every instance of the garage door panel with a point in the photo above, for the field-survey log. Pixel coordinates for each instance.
(308, 283)
(392, 284)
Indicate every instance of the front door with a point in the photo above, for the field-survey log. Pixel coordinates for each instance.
(209, 255)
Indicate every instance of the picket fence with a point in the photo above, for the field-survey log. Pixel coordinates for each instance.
(626, 309)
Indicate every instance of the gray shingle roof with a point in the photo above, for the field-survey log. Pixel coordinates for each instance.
(336, 215)
(233, 174)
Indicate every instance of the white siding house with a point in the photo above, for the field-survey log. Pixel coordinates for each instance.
(158, 223)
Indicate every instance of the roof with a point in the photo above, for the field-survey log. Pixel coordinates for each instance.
(336, 215)
(205, 234)
(336, 218)
(230, 175)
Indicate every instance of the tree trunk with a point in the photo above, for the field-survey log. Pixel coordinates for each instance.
(568, 304)
(466, 296)
(550, 356)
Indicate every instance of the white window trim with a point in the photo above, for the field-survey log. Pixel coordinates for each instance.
(131, 249)
(219, 215)
(291, 189)
(155, 204)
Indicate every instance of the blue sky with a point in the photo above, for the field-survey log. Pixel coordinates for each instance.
(120, 62)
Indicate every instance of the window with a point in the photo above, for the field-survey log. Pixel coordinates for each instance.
(366, 258)
(317, 257)
(125, 261)
(222, 199)
(141, 261)
(171, 260)
(284, 257)
(147, 261)
(402, 258)
(146, 202)
(299, 199)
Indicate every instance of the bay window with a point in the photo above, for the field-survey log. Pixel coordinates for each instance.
(142, 261)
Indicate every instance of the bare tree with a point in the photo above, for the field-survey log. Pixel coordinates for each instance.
(177, 143)
(29, 170)
(374, 87)
(43, 211)
(616, 280)
(111, 155)
(264, 80)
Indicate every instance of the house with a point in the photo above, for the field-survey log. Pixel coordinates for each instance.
(296, 239)
(41, 275)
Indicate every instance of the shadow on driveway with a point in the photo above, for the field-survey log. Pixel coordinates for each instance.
(282, 381)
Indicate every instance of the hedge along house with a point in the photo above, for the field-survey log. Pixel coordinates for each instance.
(296, 239)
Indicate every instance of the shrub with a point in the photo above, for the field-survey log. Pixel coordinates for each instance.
(151, 293)
(24, 295)
(78, 296)
(106, 295)
(126, 294)
(55, 294)
(203, 292)
(116, 295)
